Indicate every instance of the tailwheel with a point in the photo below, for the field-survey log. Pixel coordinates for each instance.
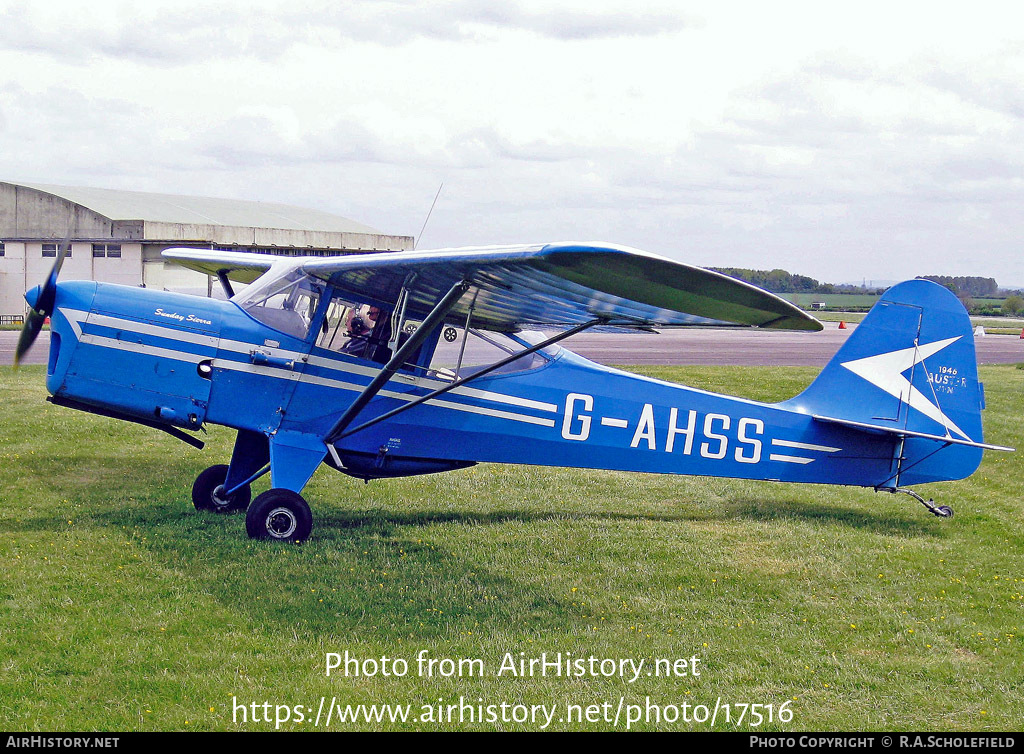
(281, 515)
(942, 511)
(208, 493)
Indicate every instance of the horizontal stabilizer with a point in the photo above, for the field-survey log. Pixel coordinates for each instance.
(909, 433)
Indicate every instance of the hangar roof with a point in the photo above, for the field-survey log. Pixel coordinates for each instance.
(197, 210)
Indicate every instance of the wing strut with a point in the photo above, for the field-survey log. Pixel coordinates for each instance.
(222, 276)
(432, 320)
(464, 380)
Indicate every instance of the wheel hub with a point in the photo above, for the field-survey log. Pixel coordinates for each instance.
(281, 523)
(219, 498)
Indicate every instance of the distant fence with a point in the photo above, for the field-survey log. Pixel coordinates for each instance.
(12, 319)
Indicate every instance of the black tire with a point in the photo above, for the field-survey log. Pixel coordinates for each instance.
(207, 492)
(280, 515)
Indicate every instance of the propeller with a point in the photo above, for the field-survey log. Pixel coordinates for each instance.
(40, 300)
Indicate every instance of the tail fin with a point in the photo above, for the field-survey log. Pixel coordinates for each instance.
(909, 369)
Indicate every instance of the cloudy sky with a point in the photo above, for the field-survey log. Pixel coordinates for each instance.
(846, 141)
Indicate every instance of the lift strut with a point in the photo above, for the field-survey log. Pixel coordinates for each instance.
(432, 320)
(477, 375)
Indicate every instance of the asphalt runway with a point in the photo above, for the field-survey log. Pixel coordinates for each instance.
(681, 347)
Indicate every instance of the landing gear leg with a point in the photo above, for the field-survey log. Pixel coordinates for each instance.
(209, 492)
(942, 511)
(281, 513)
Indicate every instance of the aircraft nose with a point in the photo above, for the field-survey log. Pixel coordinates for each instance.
(32, 295)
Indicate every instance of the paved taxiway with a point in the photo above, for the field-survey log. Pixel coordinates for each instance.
(724, 346)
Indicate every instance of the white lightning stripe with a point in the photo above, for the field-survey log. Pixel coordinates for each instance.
(885, 371)
(76, 317)
(124, 345)
(620, 423)
(512, 400)
(805, 446)
(326, 382)
(191, 358)
(334, 365)
(474, 409)
(158, 331)
(789, 459)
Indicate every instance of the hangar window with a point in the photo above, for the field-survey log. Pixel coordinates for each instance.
(2, 250)
(50, 250)
(109, 250)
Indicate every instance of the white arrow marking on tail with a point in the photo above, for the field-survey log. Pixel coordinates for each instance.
(886, 370)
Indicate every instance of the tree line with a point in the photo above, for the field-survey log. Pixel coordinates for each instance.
(781, 281)
(967, 285)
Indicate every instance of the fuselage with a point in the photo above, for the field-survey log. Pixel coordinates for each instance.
(189, 361)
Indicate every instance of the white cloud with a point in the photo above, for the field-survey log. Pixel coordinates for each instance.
(838, 141)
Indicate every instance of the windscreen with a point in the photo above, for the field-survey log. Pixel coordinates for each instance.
(285, 302)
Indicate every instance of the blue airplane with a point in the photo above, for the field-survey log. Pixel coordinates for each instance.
(396, 364)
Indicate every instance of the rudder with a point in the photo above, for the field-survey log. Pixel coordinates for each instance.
(910, 366)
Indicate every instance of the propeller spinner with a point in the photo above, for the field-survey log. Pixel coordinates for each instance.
(40, 300)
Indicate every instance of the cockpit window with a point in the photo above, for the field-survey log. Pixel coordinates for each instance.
(358, 329)
(286, 302)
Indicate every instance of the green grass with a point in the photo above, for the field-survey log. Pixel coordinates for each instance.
(125, 609)
(839, 316)
(832, 300)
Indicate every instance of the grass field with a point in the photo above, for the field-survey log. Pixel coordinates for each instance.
(124, 609)
(832, 300)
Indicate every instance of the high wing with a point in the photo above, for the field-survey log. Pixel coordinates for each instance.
(544, 285)
(562, 285)
(241, 267)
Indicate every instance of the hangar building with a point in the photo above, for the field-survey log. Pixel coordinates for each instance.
(117, 236)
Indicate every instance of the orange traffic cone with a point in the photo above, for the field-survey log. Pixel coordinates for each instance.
(842, 326)
(1022, 334)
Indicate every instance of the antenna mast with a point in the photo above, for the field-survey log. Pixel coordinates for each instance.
(429, 212)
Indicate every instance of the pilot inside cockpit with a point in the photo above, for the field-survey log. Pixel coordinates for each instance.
(367, 333)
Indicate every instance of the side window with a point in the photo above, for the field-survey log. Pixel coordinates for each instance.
(357, 329)
(461, 353)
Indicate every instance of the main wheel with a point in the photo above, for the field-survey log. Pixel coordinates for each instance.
(281, 515)
(208, 492)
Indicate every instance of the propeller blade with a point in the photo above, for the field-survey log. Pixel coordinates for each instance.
(42, 308)
(29, 333)
(44, 305)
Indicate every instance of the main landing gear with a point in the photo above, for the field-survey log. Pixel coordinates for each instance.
(942, 511)
(208, 493)
(277, 514)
